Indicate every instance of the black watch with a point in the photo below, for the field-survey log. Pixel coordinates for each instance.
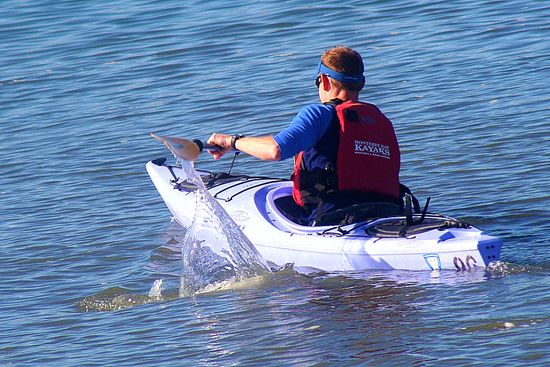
(234, 139)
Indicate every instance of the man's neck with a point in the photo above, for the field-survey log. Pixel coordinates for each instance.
(345, 95)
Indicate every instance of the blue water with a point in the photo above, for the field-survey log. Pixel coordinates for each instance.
(83, 82)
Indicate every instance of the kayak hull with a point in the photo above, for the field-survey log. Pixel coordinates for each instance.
(250, 202)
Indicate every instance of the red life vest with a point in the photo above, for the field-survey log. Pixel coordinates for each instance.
(366, 159)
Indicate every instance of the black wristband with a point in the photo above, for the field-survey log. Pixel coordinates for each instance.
(234, 139)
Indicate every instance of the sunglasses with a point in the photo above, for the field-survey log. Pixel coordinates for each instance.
(318, 81)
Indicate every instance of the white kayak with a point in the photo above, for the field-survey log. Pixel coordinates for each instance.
(428, 242)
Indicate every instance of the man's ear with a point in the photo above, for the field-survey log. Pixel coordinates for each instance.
(326, 82)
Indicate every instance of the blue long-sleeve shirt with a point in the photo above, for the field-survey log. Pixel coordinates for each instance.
(305, 130)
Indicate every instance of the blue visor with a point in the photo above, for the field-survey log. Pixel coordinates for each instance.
(344, 78)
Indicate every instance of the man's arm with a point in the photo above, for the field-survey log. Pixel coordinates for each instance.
(263, 147)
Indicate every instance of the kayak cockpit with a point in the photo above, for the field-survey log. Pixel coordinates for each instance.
(284, 213)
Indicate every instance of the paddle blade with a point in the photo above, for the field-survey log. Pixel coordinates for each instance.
(181, 148)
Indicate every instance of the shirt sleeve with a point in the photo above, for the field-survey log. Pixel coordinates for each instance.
(305, 130)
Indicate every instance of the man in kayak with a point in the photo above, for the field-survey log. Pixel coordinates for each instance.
(345, 151)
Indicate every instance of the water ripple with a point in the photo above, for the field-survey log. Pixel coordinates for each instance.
(82, 84)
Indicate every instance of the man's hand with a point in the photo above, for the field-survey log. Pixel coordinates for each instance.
(221, 140)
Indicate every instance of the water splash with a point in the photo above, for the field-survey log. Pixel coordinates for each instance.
(215, 251)
(119, 298)
(156, 290)
(500, 269)
(216, 255)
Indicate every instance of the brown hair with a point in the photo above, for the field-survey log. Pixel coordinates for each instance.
(344, 60)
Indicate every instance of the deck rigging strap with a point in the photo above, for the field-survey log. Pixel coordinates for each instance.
(233, 162)
(399, 228)
(229, 198)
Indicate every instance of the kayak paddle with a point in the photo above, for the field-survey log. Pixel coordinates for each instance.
(185, 149)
